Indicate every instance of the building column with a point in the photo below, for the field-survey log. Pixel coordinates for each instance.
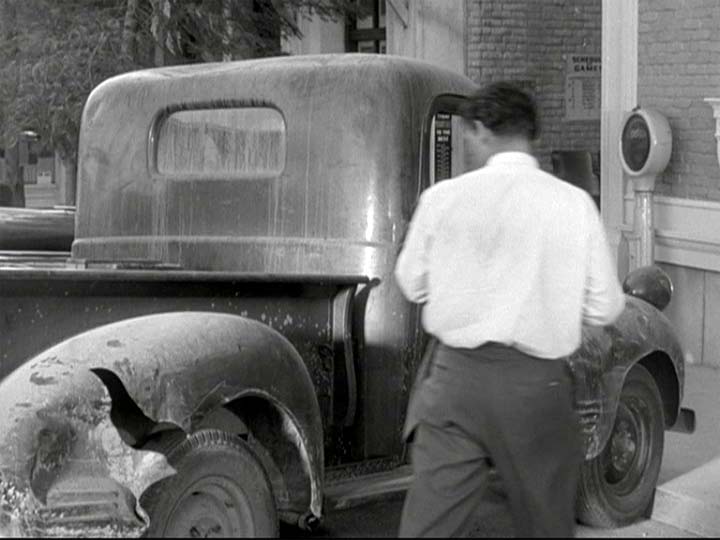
(619, 95)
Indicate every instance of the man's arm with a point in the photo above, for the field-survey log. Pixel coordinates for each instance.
(604, 298)
(412, 264)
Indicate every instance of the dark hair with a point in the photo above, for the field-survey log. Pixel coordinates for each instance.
(504, 109)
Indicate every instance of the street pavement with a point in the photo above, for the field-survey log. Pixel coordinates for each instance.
(687, 502)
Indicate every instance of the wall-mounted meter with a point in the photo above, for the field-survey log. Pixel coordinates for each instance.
(645, 146)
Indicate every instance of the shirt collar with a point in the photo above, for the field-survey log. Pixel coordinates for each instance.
(512, 158)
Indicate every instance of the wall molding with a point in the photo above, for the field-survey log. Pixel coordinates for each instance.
(681, 231)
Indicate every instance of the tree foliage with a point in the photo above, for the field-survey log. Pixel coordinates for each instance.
(54, 52)
(51, 55)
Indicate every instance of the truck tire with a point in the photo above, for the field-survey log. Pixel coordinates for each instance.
(617, 487)
(221, 489)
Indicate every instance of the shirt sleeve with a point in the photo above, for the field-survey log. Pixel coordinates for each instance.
(604, 299)
(411, 269)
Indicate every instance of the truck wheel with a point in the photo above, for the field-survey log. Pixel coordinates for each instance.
(617, 487)
(221, 489)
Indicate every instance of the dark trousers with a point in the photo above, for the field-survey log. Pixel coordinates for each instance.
(492, 406)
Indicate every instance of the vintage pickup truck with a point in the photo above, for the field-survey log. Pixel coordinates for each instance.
(226, 340)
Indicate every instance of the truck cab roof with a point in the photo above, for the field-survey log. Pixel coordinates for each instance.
(260, 165)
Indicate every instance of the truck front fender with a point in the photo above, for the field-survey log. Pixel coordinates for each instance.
(176, 368)
(641, 335)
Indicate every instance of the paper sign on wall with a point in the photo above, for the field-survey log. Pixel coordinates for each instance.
(582, 87)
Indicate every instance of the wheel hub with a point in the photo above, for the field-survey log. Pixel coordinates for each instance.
(623, 458)
(213, 507)
(206, 528)
(624, 447)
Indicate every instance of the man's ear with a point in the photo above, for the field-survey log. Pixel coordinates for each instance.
(483, 134)
(474, 130)
(475, 126)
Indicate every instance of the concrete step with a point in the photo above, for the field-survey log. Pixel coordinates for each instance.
(642, 529)
(691, 502)
(356, 491)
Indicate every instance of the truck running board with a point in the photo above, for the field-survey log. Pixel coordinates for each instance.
(356, 491)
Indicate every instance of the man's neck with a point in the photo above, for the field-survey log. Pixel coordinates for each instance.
(512, 144)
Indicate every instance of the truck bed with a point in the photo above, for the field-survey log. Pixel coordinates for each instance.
(41, 305)
(41, 229)
(33, 259)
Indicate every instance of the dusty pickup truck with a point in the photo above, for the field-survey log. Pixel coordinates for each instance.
(226, 340)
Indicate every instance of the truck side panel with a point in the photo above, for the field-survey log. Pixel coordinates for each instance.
(36, 314)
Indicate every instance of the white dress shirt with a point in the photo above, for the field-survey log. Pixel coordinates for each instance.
(510, 254)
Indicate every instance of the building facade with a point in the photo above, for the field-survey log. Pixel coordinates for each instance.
(588, 63)
(552, 48)
(670, 64)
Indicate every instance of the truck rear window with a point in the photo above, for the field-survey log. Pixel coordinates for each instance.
(221, 143)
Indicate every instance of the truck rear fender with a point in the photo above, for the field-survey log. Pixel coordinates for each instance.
(264, 423)
(168, 375)
(277, 415)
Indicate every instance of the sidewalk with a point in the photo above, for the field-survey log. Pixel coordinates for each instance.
(687, 501)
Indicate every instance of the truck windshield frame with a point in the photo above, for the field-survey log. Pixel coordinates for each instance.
(441, 104)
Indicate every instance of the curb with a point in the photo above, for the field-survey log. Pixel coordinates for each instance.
(691, 502)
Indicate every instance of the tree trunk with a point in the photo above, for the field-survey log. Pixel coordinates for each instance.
(159, 30)
(14, 191)
(14, 176)
(244, 47)
(127, 47)
(227, 38)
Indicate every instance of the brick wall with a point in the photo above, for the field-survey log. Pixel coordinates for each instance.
(678, 66)
(529, 41)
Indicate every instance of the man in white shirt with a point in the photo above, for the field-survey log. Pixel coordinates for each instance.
(508, 262)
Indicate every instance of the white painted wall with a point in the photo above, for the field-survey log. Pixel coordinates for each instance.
(430, 30)
(319, 37)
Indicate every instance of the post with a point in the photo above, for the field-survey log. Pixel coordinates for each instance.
(618, 94)
(644, 226)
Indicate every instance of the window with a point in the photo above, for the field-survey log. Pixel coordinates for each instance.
(221, 143)
(367, 34)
